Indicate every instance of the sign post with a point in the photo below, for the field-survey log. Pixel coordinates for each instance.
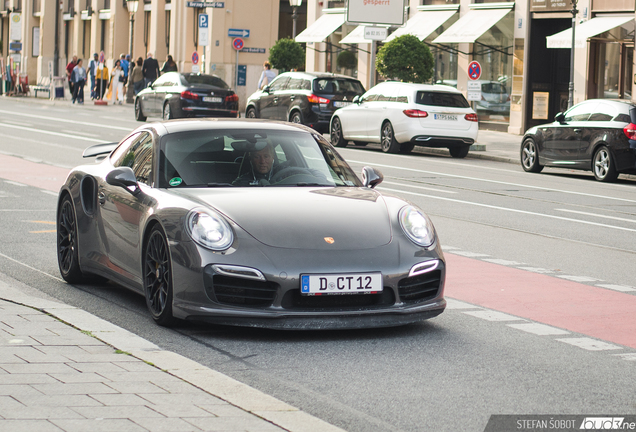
(238, 45)
(204, 36)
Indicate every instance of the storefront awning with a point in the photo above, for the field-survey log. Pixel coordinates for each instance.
(321, 28)
(588, 29)
(423, 24)
(356, 36)
(471, 26)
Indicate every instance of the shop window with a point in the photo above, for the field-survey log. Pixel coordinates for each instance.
(438, 2)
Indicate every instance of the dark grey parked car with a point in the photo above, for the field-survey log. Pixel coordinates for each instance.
(183, 213)
(308, 98)
(596, 135)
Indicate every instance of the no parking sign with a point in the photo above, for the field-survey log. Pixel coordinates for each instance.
(238, 44)
(474, 70)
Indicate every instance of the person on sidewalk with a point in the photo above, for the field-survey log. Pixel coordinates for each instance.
(92, 71)
(125, 67)
(101, 81)
(78, 78)
(169, 66)
(137, 77)
(267, 76)
(150, 69)
(117, 84)
(69, 70)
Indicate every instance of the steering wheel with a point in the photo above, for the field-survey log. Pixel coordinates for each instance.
(288, 172)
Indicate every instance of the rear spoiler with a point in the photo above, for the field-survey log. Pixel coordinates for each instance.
(99, 149)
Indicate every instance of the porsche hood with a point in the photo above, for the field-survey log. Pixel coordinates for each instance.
(304, 218)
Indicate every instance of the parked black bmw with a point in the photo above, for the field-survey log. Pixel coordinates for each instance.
(304, 97)
(597, 135)
(177, 95)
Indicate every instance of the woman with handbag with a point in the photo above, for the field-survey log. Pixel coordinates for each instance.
(267, 76)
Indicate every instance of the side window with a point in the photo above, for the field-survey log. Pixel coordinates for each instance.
(279, 83)
(369, 96)
(402, 95)
(138, 156)
(580, 112)
(386, 93)
(306, 85)
(122, 149)
(295, 84)
(603, 112)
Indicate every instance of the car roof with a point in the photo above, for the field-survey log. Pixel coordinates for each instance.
(198, 124)
(423, 87)
(310, 75)
(615, 101)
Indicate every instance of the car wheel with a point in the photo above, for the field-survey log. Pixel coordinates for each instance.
(530, 156)
(157, 278)
(407, 148)
(337, 137)
(67, 241)
(459, 152)
(603, 165)
(251, 113)
(296, 117)
(387, 139)
(139, 114)
(167, 111)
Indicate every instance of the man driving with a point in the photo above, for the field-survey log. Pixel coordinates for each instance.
(261, 167)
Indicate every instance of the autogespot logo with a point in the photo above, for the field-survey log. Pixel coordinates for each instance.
(606, 423)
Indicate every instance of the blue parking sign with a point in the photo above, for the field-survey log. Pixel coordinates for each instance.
(203, 21)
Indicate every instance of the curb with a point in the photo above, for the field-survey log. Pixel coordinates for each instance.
(215, 383)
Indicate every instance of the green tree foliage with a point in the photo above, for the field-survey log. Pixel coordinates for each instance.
(405, 58)
(347, 60)
(287, 54)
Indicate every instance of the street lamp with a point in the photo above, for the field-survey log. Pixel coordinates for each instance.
(571, 85)
(295, 4)
(132, 6)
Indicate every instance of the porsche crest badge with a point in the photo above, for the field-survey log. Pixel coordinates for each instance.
(329, 240)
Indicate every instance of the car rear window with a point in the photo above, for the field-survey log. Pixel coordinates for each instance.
(206, 80)
(441, 99)
(338, 86)
(493, 88)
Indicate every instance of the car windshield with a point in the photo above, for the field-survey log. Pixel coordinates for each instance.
(337, 86)
(441, 99)
(248, 158)
(203, 81)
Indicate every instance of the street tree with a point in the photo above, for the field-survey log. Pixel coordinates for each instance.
(286, 54)
(405, 58)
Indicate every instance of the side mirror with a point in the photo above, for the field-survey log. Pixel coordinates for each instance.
(123, 177)
(356, 99)
(266, 89)
(371, 177)
(560, 117)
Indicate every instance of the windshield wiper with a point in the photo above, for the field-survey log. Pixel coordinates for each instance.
(219, 184)
(311, 184)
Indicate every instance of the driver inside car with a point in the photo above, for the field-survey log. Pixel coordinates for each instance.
(261, 167)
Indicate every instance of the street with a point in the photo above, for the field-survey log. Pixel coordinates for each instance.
(541, 288)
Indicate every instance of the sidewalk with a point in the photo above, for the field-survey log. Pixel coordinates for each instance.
(63, 369)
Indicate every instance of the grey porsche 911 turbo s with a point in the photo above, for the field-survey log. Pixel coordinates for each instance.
(248, 223)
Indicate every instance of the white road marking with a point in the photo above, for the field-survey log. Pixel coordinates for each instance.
(18, 123)
(40, 142)
(502, 262)
(598, 215)
(621, 288)
(628, 357)
(469, 254)
(590, 344)
(15, 183)
(419, 187)
(64, 120)
(491, 315)
(49, 192)
(536, 270)
(492, 181)
(539, 329)
(577, 278)
(80, 133)
(513, 210)
(456, 304)
(54, 133)
(32, 268)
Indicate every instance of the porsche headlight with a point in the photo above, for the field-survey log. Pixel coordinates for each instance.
(417, 226)
(209, 230)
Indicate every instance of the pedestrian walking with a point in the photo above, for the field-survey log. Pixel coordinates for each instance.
(101, 81)
(125, 66)
(137, 76)
(267, 76)
(117, 84)
(78, 78)
(69, 70)
(92, 71)
(150, 70)
(169, 66)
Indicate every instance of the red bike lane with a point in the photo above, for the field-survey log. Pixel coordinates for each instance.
(39, 175)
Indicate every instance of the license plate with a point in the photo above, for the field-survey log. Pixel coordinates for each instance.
(212, 99)
(340, 104)
(445, 117)
(344, 283)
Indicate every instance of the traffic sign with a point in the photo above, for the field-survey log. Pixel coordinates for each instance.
(205, 4)
(203, 21)
(474, 70)
(253, 50)
(101, 57)
(195, 57)
(238, 44)
(238, 32)
(204, 31)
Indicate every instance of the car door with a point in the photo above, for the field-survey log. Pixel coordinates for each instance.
(598, 128)
(269, 108)
(562, 139)
(287, 96)
(377, 111)
(159, 88)
(121, 210)
(353, 118)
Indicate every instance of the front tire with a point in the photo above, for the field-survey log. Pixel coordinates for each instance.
(157, 278)
(530, 156)
(603, 165)
(250, 113)
(337, 136)
(139, 114)
(67, 243)
(167, 111)
(459, 152)
(296, 118)
(387, 139)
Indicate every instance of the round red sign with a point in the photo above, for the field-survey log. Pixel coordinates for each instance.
(238, 44)
(474, 70)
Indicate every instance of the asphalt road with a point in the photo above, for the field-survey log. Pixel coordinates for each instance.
(560, 232)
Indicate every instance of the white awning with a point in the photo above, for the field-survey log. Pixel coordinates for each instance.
(586, 30)
(423, 24)
(356, 36)
(471, 26)
(321, 28)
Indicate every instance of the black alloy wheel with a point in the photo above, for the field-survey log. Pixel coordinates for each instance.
(251, 113)
(387, 139)
(603, 165)
(139, 114)
(337, 137)
(459, 152)
(158, 278)
(296, 117)
(167, 111)
(530, 156)
(67, 252)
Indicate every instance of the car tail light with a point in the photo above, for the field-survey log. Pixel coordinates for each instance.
(312, 98)
(471, 117)
(630, 131)
(189, 95)
(231, 98)
(415, 113)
